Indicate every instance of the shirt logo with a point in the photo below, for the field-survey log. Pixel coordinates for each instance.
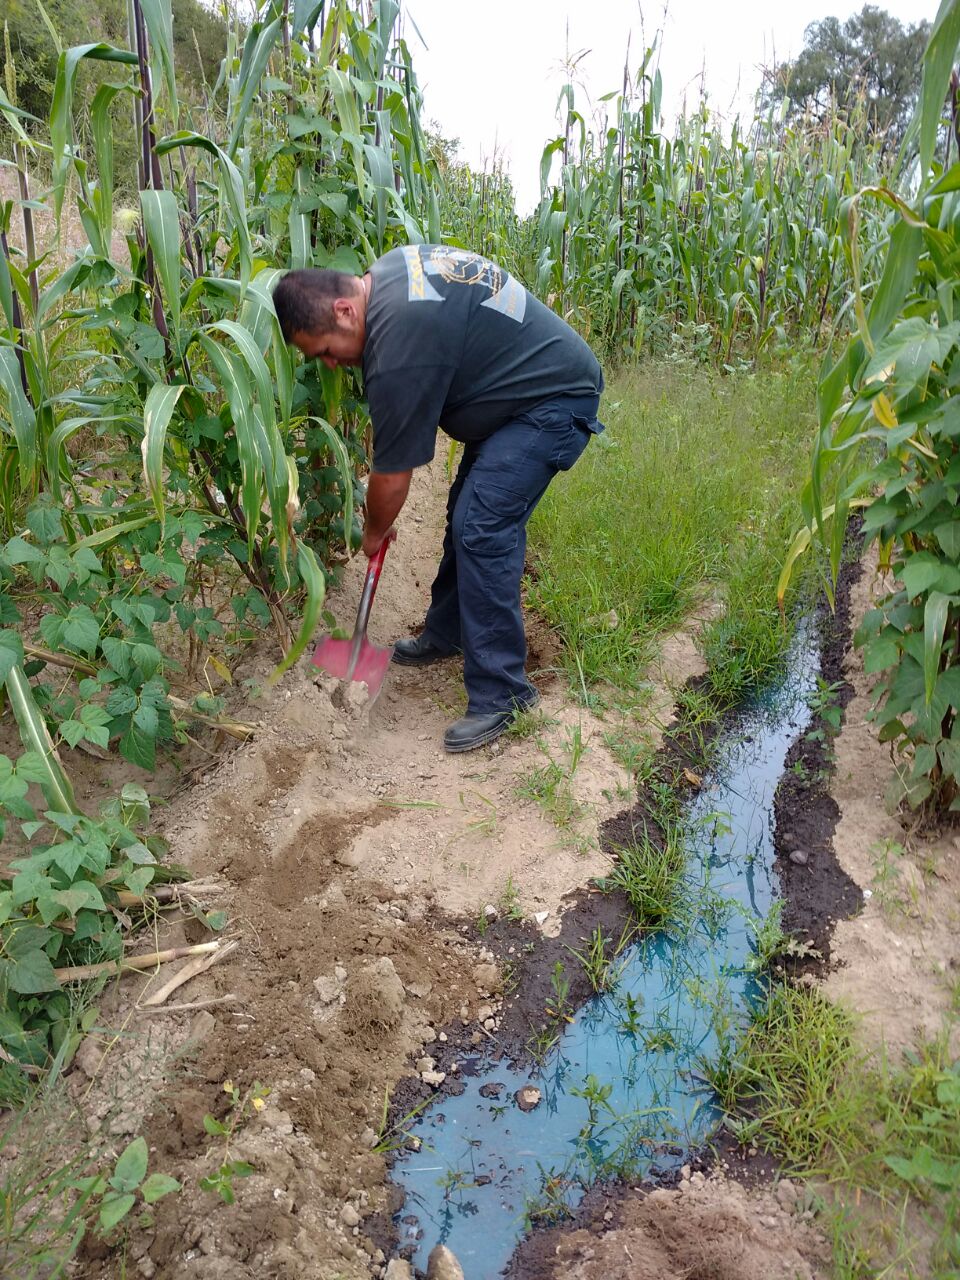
(458, 267)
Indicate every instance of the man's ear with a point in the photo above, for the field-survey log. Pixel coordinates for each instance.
(344, 311)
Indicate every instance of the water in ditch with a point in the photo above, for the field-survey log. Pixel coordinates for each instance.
(622, 1087)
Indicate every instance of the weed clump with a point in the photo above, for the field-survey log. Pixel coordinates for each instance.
(652, 875)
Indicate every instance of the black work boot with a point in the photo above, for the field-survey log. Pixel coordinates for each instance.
(477, 730)
(418, 651)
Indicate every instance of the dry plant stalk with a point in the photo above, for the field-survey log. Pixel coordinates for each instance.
(74, 973)
(198, 965)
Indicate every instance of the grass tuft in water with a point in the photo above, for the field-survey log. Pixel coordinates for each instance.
(651, 873)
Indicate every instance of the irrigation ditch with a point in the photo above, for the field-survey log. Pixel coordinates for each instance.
(594, 1088)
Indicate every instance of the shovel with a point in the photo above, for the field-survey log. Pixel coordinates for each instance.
(357, 659)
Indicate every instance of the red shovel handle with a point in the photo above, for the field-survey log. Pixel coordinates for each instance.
(374, 569)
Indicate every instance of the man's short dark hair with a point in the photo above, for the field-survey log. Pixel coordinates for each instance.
(304, 300)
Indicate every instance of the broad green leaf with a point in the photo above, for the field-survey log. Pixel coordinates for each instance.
(157, 412)
(11, 652)
(32, 973)
(114, 1208)
(924, 572)
(131, 1168)
(157, 1186)
(161, 222)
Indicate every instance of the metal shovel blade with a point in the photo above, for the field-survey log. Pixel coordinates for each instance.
(333, 656)
(357, 659)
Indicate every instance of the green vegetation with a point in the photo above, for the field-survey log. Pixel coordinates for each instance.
(691, 491)
(797, 1085)
(729, 245)
(652, 874)
(888, 442)
(866, 64)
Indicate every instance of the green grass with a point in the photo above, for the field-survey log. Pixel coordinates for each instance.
(652, 876)
(797, 1083)
(691, 491)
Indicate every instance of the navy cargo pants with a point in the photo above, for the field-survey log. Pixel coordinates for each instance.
(475, 599)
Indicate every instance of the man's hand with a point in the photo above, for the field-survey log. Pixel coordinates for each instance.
(386, 494)
(371, 545)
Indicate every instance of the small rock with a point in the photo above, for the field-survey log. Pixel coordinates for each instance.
(147, 1267)
(201, 1029)
(369, 1137)
(487, 978)
(276, 1119)
(528, 1097)
(540, 917)
(434, 1078)
(684, 1173)
(697, 1179)
(786, 1193)
(425, 1064)
(398, 1269)
(484, 1012)
(490, 911)
(328, 989)
(800, 857)
(492, 1090)
(490, 1024)
(608, 1215)
(340, 973)
(443, 1265)
(419, 990)
(442, 1037)
(349, 1216)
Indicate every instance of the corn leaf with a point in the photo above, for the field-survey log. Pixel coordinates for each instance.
(161, 222)
(937, 64)
(157, 412)
(232, 189)
(23, 420)
(313, 580)
(158, 16)
(256, 54)
(55, 784)
(239, 393)
(935, 613)
(61, 107)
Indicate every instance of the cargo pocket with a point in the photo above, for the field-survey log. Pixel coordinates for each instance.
(491, 525)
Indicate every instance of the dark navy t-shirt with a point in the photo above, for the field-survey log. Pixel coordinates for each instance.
(453, 340)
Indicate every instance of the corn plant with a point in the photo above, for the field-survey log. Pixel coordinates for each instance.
(169, 479)
(732, 242)
(888, 443)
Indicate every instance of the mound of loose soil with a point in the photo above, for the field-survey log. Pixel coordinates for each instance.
(707, 1229)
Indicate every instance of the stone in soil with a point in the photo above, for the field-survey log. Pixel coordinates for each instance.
(443, 1265)
(528, 1097)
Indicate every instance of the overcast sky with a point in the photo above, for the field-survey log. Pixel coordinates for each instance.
(491, 70)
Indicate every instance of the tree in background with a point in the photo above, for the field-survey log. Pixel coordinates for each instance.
(81, 21)
(871, 57)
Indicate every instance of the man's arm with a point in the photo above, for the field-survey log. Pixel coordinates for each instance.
(386, 494)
